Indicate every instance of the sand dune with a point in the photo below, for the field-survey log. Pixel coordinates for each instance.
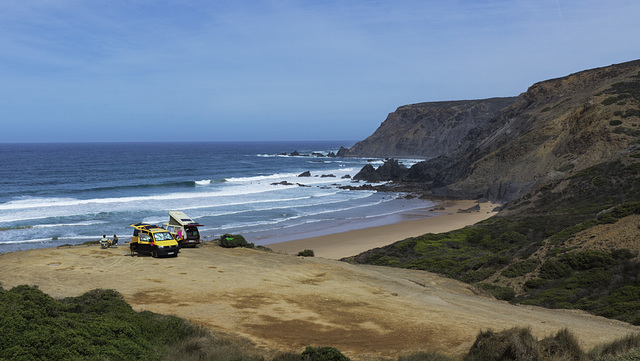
(286, 302)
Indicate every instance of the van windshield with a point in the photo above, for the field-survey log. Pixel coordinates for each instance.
(162, 236)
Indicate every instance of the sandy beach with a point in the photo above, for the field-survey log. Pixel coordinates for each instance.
(443, 217)
(283, 302)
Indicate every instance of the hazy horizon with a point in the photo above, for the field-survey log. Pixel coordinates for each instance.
(104, 71)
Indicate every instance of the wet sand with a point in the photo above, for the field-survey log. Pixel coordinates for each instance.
(350, 243)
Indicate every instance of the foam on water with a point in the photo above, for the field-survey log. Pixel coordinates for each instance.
(72, 193)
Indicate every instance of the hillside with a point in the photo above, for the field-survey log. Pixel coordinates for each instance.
(555, 129)
(564, 160)
(283, 302)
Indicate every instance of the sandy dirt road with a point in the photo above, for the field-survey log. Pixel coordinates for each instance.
(284, 302)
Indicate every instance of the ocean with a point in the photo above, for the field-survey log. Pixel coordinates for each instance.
(69, 193)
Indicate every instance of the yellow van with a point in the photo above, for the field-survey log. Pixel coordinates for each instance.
(153, 240)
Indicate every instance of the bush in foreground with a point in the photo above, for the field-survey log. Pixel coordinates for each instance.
(323, 354)
(306, 253)
(234, 240)
(96, 325)
(100, 325)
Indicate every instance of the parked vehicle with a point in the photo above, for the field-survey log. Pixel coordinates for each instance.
(153, 240)
(183, 229)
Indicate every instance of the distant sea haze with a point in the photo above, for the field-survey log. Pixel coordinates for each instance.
(54, 194)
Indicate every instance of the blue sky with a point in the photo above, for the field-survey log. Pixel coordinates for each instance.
(152, 70)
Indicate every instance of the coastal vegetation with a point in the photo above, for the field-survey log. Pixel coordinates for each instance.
(527, 256)
(100, 325)
(234, 240)
(306, 253)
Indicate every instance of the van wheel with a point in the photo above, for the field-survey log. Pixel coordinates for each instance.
(154, 254)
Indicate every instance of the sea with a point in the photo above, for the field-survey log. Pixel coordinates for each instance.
(54, 194)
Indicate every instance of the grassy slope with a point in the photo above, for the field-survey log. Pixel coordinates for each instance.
(605, 283)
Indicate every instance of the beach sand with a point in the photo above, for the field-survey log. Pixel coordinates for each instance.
(284, 302)
(351, 243)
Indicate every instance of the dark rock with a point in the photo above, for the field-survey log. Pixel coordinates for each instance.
(346, 176)
(295, 153)
(391, 170)
(475, 208)
(367, 173)
(283, 183)
(342, 152)
(327, 176)
(305, 174)
(302, 185)
(331, 155)
(319, 155)
(366, 187)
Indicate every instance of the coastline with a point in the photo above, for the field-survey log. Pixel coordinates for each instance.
(274, 299)
(353, 242)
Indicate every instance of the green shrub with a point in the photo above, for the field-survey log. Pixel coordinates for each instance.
(233, 241)
(424, 356)
(508, 345)
(322, 354)
(566, 167)
(586, 260)
(554, 270)
(477, 276)
(520, 268)
(627, 131)
(96, 325)
(563, 346)
(615, 122)
(617, 348)
(535, 283)
(286, 356)
(499, 292)
(609, 100)
(306, 253)
(593, 278)
(631, 113)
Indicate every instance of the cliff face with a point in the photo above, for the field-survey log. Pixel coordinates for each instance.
(428, 130)
(503, 148)
(565, 160)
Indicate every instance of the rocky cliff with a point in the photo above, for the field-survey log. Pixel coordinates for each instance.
(503, 148)
(428, 130)
(565, 159)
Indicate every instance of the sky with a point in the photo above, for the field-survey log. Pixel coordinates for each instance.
(165, 70)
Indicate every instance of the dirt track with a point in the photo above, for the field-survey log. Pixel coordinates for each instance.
(287, 302)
